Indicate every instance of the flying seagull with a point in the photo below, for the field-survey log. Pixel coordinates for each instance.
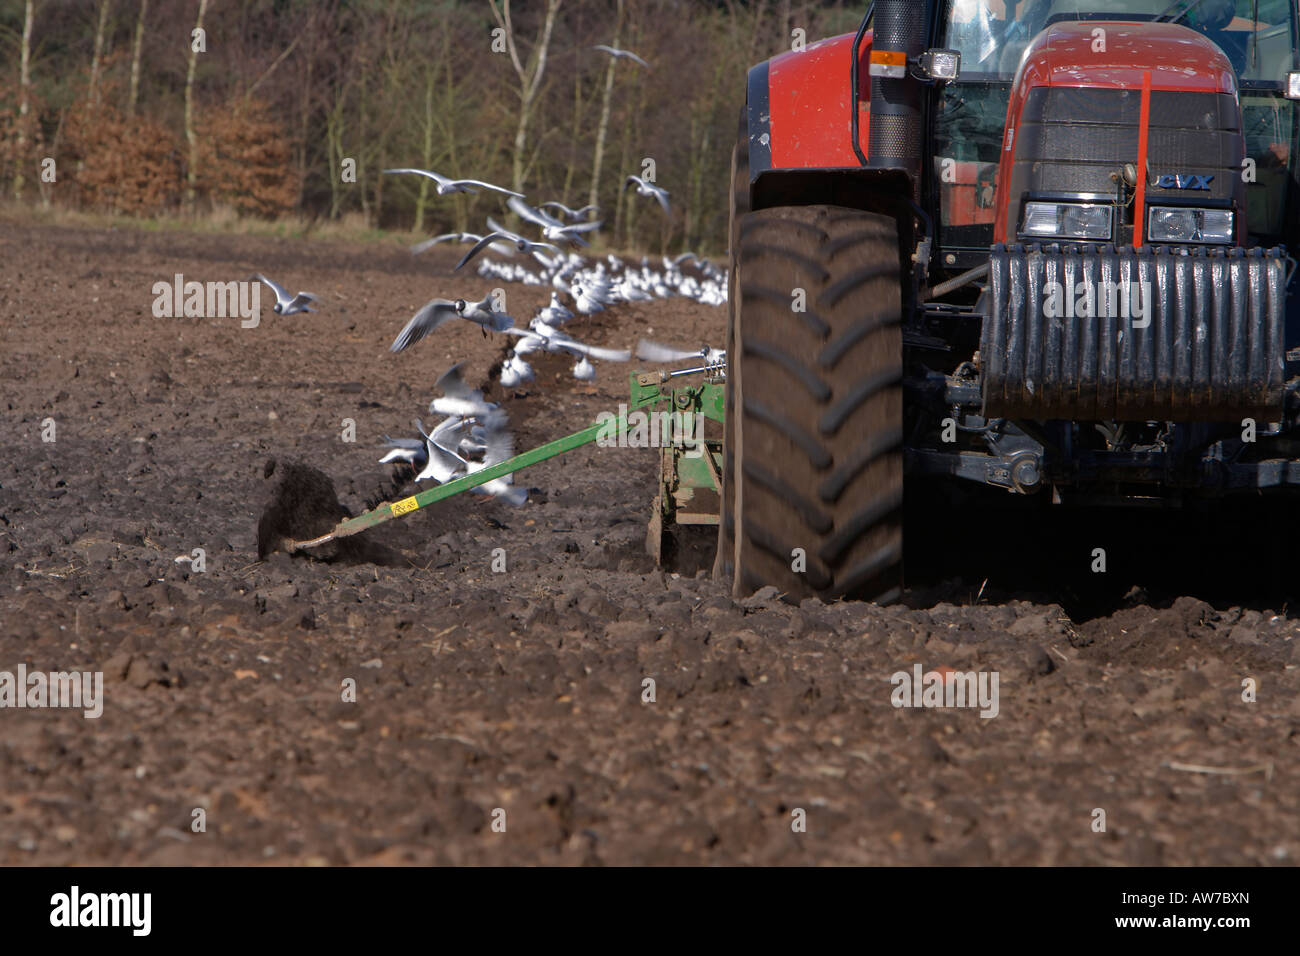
(620, 54)
(650, 190)
(499, 445)
(437, 311)
(442, 464)
(552, 228)
(286, 304)
(540, 337)
(409, 450)
(649, 351)
(459, 399)
(446, 185)
(456, 237)
(519, 242)
(573, 215)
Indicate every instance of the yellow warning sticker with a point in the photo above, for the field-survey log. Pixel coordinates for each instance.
(404, 507)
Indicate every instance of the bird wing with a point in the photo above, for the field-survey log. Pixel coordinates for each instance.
(632, 179)
(479, 182)
(662, 196)
(604, 354)
(430, 316)
(574, 347)
(500, 443)
(453, 385)
(442, 180)
(583, 226)
(649, 351)
(301, 299)
(525, 211)
(503, 231)
(280, 292)
(445, 237)
(441, 432)
(523, 334)
(410, 444)
(479, 246)
(637, 59)
(558, 205)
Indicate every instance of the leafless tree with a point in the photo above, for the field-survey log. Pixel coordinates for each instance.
(530, 75)
(191, 174)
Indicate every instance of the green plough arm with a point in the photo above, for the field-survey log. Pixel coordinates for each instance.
(645, 391)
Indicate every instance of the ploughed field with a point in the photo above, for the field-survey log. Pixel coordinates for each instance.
(772, 736)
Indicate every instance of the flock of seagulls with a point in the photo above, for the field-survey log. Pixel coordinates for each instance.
(471, 436)
(596, 284)
(472, 433)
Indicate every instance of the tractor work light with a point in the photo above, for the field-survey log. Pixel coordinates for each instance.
(1067, 220)
(1181, 224)
(939, 66)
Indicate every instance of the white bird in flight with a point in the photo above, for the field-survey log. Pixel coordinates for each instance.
(419, 247)
(437, 311)
(620, 54)
(446, 185)
(573, 215)
(649, 351)
(540, 337)
(552, 228)
(286, 304)
(458, 399)
(410, 450)
(649, 190)
(519, 242)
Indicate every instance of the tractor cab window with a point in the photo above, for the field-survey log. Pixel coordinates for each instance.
(1259, 37)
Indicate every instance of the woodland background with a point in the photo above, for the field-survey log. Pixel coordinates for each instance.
(258, 125)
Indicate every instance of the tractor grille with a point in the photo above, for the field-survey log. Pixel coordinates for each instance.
(1076, 140)
(1205, 345)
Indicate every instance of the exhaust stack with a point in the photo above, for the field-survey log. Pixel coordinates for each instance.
(899, 36)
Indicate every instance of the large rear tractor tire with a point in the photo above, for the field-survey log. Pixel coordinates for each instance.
(814, 440)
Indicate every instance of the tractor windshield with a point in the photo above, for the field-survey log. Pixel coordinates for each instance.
(1258, 36)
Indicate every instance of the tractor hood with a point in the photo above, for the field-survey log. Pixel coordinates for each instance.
(1076, 118)
(1117, 54)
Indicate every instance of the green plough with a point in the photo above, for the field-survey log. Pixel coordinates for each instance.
(690, 482)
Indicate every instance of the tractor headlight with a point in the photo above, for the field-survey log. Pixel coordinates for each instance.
(1181, 224)
(1067, 220)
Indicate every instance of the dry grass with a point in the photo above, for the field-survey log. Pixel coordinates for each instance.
(222, 219)
(218, 219)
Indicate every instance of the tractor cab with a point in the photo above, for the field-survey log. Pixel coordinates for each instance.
(1083, 100)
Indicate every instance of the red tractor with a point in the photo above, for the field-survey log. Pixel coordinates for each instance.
(1037, 246)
